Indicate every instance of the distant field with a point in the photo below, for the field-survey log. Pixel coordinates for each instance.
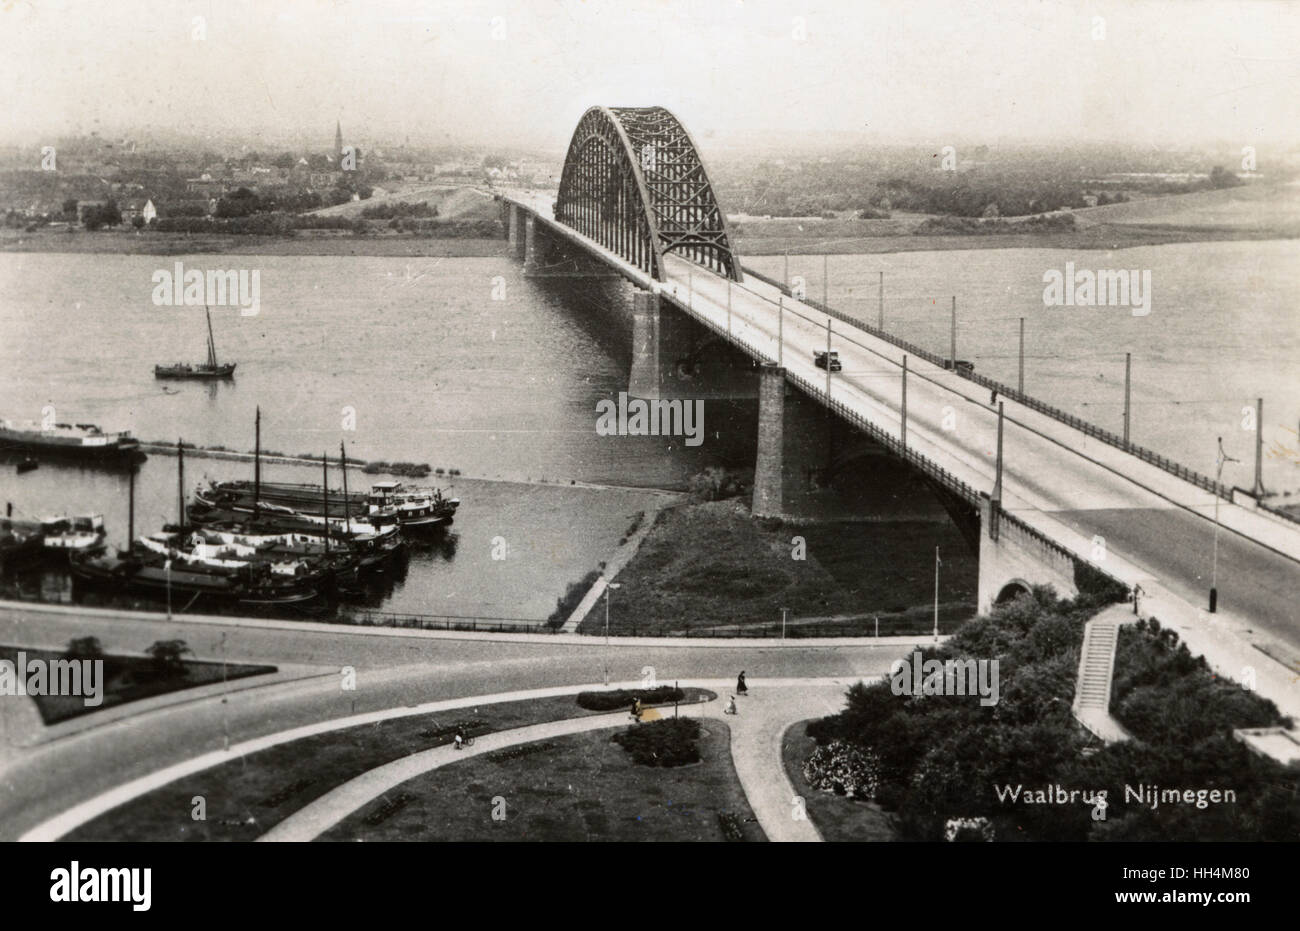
(454, 202)
(1272, 208)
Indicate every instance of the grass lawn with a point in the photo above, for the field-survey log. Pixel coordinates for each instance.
(837, 817)
(583, 787)
(706, 567)
(127, 679)
(248, 796)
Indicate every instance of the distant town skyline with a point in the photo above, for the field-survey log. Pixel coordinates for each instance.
(520, 73)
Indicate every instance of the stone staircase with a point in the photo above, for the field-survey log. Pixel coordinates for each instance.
(1096, 670)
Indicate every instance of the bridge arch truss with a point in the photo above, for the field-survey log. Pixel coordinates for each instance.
(634, 182)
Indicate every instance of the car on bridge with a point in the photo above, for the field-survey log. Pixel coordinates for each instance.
(827, 360)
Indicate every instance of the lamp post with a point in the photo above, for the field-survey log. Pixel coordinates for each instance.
(783, 614)
(225, 723)
(1214, 571)
(168, 567)
(937, 563)
(608, 586)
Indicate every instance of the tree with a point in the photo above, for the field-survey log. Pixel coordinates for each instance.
(70, 207)
(167, 657)
(1221, 178)
(84, 648)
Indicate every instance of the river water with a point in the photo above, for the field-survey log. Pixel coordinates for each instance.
(1223, 329)
(465, 364)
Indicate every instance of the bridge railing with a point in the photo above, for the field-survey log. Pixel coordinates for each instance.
(1078, 423)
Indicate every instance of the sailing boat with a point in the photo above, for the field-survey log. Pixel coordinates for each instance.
(210, 369)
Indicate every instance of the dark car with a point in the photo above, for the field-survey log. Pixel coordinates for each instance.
(821, 357)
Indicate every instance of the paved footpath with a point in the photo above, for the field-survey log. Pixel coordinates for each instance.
(756, 731)
(762, 717)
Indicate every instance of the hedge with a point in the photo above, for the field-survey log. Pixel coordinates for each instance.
(623, 698)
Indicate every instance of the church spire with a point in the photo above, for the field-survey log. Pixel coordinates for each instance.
(338, 141)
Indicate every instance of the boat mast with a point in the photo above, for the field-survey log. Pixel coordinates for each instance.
(180, 480)
(130, 508)
(325, 490)
(212, 344)
(343, 464)
(257, 460)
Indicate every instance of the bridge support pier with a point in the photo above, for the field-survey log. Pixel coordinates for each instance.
(1016, 561)
(793, 456)
(674, 356)
(532, 246)
(515, 230)
(644, 381)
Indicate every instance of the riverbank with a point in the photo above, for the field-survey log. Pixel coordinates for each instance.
(814, 240)
(306, 242)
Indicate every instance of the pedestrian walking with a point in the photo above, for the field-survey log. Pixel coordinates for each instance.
(731, 706)
(741, 687)
(459, 739)
(636, 708)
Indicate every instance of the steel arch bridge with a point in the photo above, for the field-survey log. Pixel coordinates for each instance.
(633, 181)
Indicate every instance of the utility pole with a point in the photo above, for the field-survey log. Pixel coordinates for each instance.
(1128, 371)
(225, 724)
(995, 505)
(608, 587)
(780, 330)
(880, 323)
(1020, 384)
(1258, 490)
(1214, 572)
(937, 563)
(954, 332)
(783, 614)
(828, 358)
(903, 419)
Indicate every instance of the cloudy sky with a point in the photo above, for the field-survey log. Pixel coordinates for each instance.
(524, 70)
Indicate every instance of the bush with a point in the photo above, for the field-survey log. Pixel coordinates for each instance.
(670, 742)
(844, 769)
(968, 829)
(84, 648)
(573, 593)
(623, 698)
(167, 657)
(714, 484)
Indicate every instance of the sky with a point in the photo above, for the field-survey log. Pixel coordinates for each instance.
(522, 72)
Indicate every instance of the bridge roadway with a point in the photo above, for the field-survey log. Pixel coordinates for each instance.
(1157, 530)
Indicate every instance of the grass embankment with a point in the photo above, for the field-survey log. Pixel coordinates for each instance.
(583, 787)
(705, 568)
(127, 679)
(1024, 769)
(248, 796)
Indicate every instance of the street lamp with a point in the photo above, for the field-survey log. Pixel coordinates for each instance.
(225, 723)
(608, 586)
(1214, 572)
